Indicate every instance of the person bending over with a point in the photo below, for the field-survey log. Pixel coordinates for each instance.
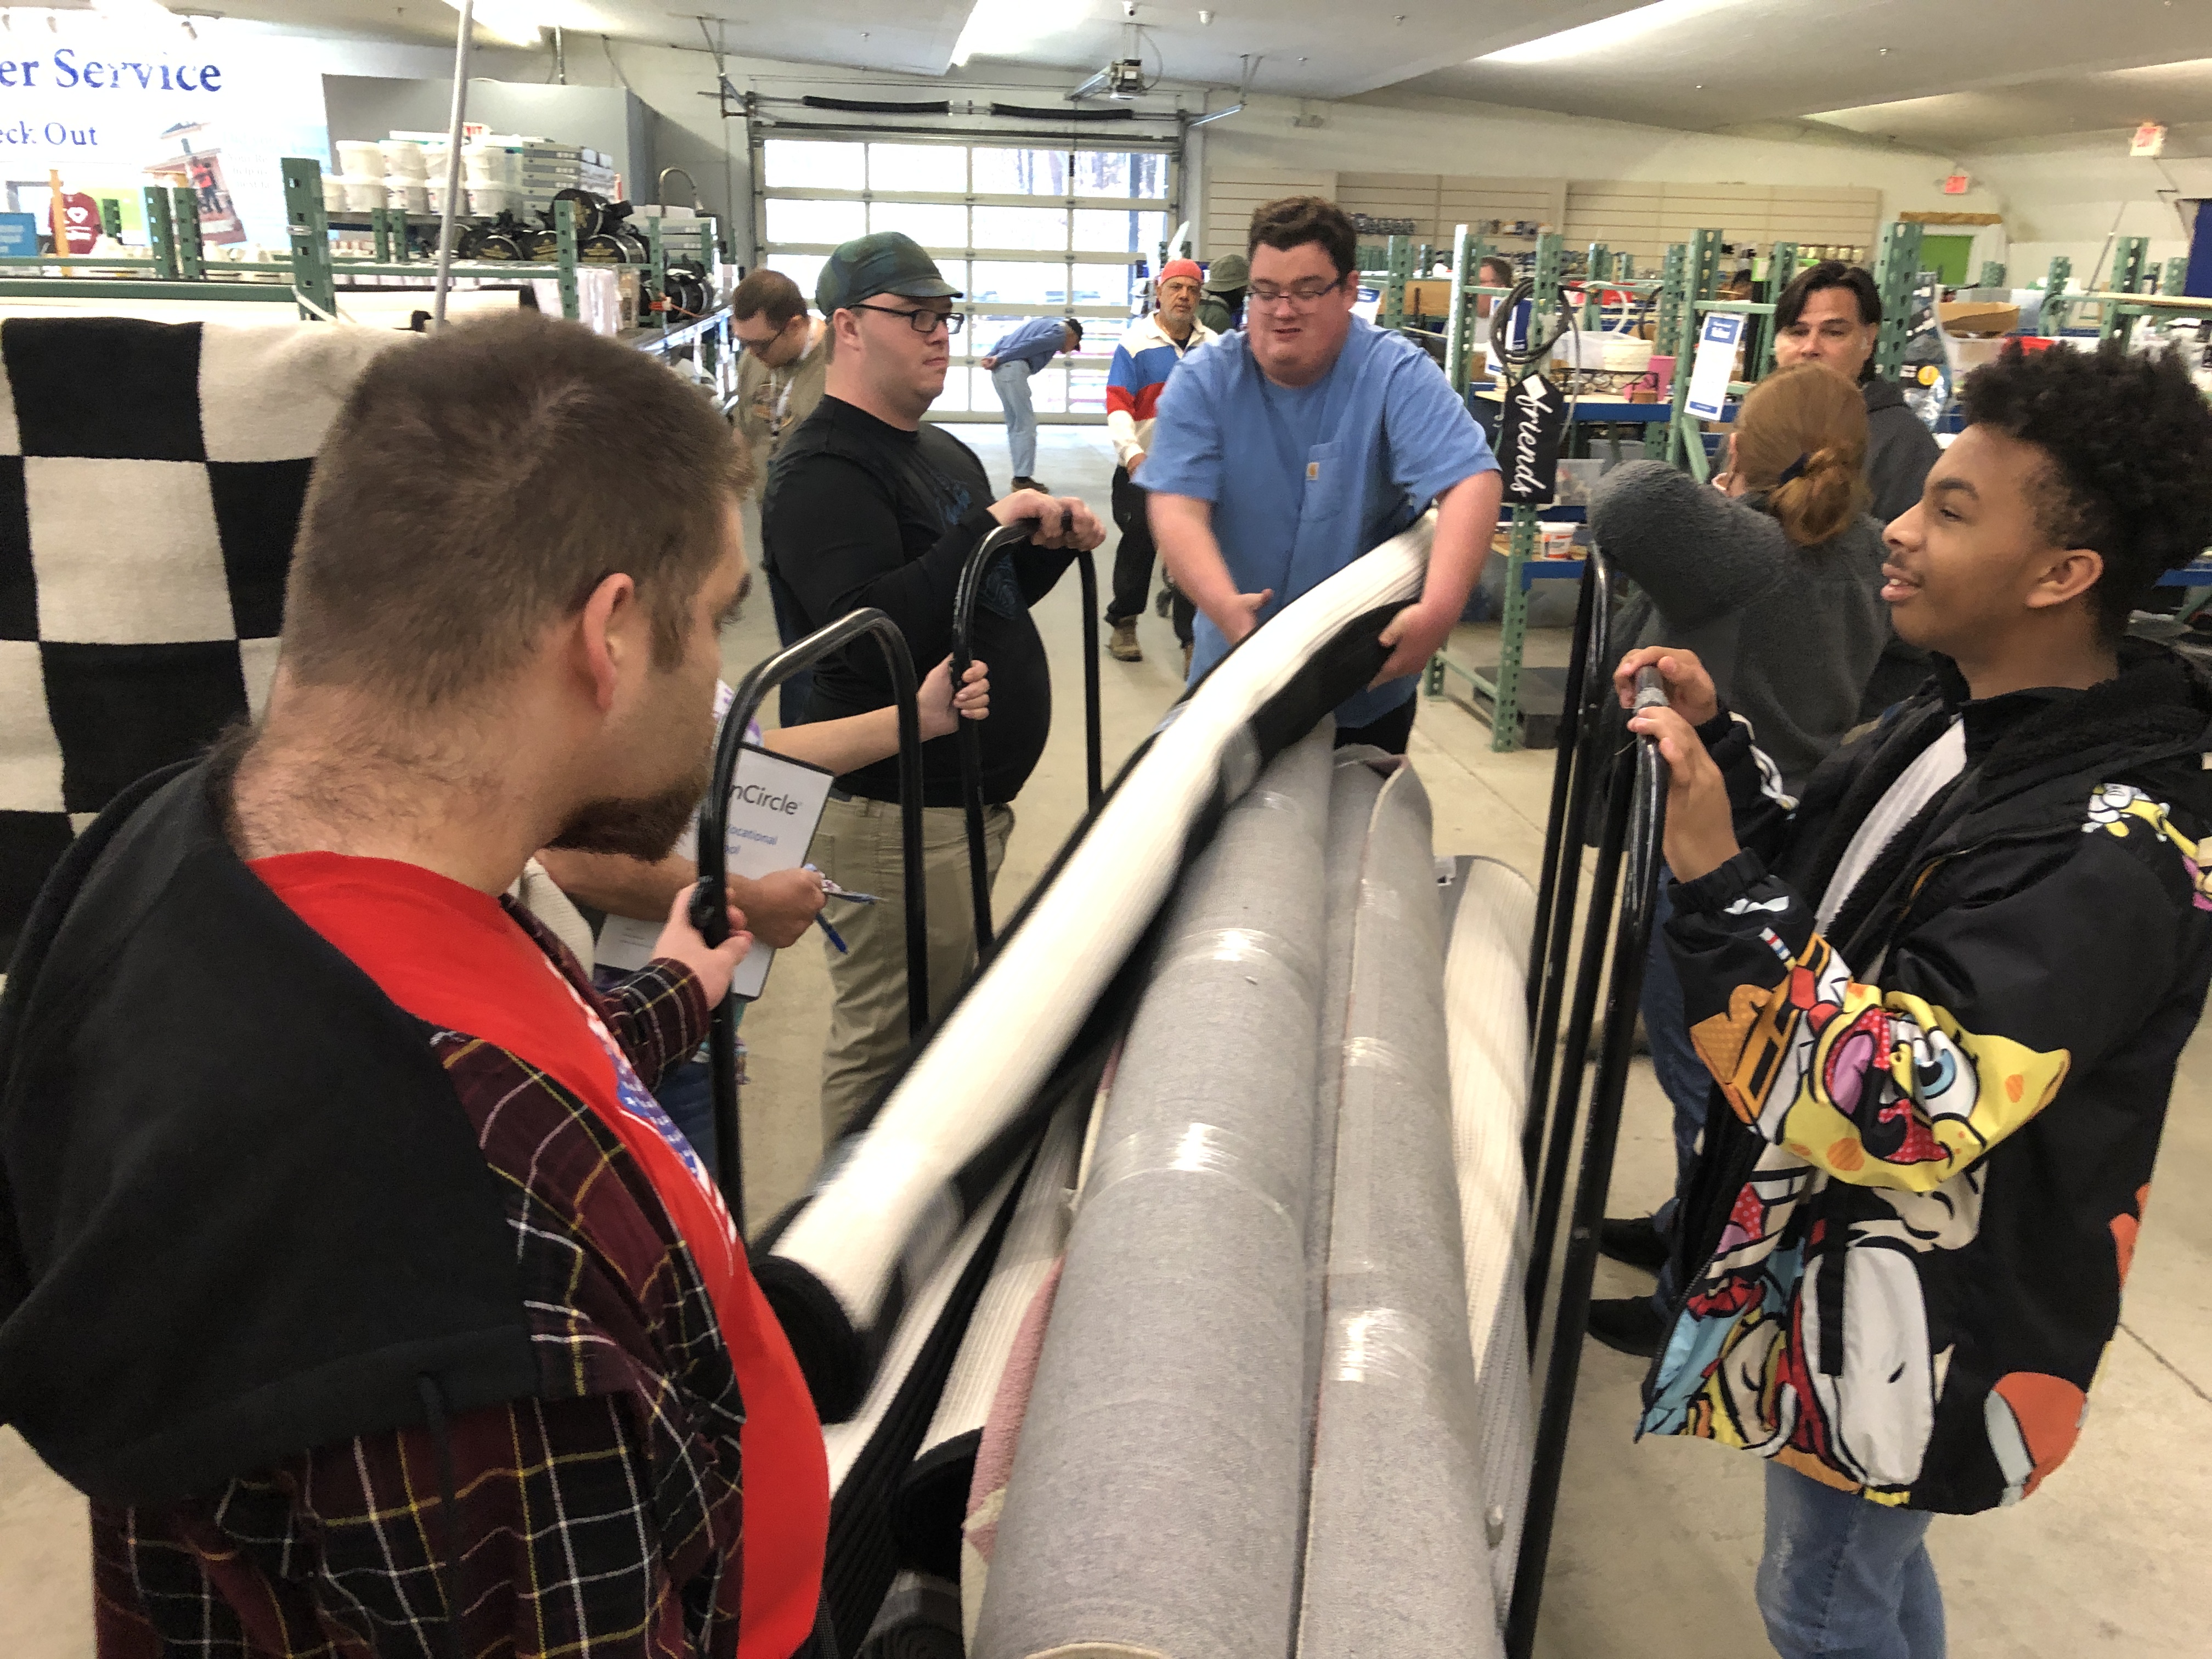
(1942, 999)
(1012, 364)
(1294, 446)
(869, 506)
(346, 1261)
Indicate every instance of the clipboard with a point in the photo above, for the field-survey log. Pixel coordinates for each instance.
(776, 806)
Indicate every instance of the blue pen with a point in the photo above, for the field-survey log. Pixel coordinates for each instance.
(823, 922)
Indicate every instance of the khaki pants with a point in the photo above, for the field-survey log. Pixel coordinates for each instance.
(858, 846)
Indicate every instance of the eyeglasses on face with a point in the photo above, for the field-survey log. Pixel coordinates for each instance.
(922, 320)
(1300, 296)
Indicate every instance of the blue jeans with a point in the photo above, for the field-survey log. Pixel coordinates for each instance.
(687, 1095)
(1842, 1578)
(1012, 381)
(1681, 1074)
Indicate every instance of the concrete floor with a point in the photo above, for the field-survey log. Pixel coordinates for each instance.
(1655, 1543)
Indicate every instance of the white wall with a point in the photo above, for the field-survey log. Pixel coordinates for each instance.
(1430, 135)
(2066, 196)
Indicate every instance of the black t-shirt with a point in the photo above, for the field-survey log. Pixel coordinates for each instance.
(859, 512)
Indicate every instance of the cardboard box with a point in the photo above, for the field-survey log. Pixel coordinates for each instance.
(1972, 317)
(1429, 297)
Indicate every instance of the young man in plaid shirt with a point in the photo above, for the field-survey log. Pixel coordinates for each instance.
(346, 1261)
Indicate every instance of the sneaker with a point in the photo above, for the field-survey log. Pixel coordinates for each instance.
(1165, 606)
(1629, 1324)
(1636, 1241)
(1123, 646)
(1031, 484)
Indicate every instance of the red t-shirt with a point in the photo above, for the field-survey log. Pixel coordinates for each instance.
(450, 955)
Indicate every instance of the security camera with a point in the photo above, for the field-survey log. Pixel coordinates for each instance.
(1129, 10)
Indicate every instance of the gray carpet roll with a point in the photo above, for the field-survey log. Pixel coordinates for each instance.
(1487, 1017)
(1153, 1506)
(1357, 774)
(1395, 1560)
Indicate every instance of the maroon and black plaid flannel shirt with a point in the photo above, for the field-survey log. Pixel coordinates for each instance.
(601, 1521)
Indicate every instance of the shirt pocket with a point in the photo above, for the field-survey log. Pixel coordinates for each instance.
(1325, 486)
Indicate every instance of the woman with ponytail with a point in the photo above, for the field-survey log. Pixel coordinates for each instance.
(1773, 578)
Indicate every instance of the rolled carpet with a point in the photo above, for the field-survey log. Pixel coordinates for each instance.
(994, 1452)
(840, 1263)
(1394, 1561)
(1357, 776)
(1153, 1507)
(919, 1619)
(933, 1495)
(871, 1450)
(1487, 1019)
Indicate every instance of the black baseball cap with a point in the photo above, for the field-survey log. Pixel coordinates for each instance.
(888, 261)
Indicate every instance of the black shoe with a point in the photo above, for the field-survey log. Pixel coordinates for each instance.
(1164, 603)
(1636, 1241)
(1630, 1324)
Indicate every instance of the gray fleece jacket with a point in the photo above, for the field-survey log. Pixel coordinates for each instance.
(1789, 633)
(1900, 451)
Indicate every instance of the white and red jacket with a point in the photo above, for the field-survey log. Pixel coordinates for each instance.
(1143, 361)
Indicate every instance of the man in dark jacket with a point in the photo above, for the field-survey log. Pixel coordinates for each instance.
(1832, 313)
(1943, 998)
(346, 1262)
(867, 505)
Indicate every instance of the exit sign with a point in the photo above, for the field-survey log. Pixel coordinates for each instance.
(2149, 140)
(1957, 185)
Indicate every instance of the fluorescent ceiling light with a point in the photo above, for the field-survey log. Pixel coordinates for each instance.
(510, 20)
(1608, 32)
(1006, 28)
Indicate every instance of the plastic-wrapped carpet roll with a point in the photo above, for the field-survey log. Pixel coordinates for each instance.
(869, 1452)
(1153, 1507)
(1394, 1562)
(1486, 1017)
(919, 1619)
(838, 1267)
(933, 1497)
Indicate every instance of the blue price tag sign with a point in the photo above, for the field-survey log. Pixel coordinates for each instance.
(19, 234)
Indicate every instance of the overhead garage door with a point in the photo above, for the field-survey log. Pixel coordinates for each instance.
(1023, 230)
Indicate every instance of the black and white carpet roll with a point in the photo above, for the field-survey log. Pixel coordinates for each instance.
(919, 1619)
(1487, 1017)
(838, 1268)
(933, 1497)
(1154, 1503)
(1394, 1561)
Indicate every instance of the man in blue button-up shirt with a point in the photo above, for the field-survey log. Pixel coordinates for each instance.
(1011, 361)
(1286, 451)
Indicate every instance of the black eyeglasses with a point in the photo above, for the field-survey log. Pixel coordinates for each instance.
(1300, 297)
(922, 320)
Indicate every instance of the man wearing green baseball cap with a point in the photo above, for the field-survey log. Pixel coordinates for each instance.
(866, 505)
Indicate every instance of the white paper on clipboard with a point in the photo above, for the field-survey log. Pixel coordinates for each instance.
(775, 805)
(1715, 366)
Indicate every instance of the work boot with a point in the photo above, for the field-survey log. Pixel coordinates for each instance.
(1635, 1241)
(1123, 646)
(1031, 484)
(1628, 1323)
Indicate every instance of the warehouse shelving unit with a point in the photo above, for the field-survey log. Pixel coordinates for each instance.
(176, 265)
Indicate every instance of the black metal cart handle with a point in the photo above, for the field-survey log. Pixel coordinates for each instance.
(1002, 540)
(1575, 771)
(1635, 823)
(709, 904)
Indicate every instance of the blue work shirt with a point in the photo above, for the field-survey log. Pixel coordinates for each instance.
(1036, 343)
(1304, 480)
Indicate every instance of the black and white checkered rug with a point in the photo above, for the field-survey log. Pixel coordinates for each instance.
(151, 478)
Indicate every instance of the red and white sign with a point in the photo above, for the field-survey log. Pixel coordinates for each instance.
(1957, 185)
(2149, 139)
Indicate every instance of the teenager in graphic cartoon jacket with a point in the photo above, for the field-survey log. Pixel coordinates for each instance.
(1944, 997)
